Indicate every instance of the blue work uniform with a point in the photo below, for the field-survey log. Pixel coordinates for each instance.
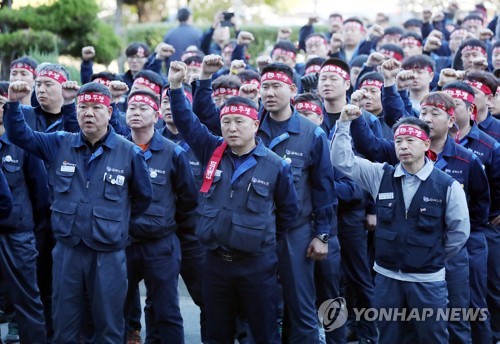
(27, 180)
(491, 126)
(96, 189)
(250, 201)
(467, 169)
(154, 253)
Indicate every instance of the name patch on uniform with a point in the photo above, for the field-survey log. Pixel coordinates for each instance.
(289, 152)
(68, 167)
(218, 173)
(9, 159)
(386, 195)
(112, 169)
(428, 199)
(153, 172)
(259, 181)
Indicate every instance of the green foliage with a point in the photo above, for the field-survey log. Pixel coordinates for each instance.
(265, 36)
(53, 57)
(67, 25)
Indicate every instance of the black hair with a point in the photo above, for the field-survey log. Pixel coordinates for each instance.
(94, 87)
(333, 15)
(183, 14)
(473, 16)
(484, 77)
(278, 67)
(371, 76)
(418, 61)
(236, 100)
(358, 61)
(412, 35)
(4, 87)
(146, 92)
(472, 43)
(227, 81)
(308, 97)
(133, 48)
(285, 45)
(394, 48)
(412, 121)
(315, 61)
(106, 75)
(412, 22)
(355, 20)
(151, 76)
(394, 30)
(337, 62)
(460, 85)
(25, 60)
(248, 75)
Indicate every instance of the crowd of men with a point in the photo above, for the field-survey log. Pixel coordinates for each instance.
(368, 174)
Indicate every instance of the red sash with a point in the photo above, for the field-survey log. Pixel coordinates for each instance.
(209, 174)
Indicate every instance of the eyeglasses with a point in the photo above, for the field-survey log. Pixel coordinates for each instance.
(135, 57)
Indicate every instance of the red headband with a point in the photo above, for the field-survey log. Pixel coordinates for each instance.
(473, 48)
(24, 66)
(411, 131)
(139, 98)
(427, 68)
(194, 64)
(391, 53)
(473, 21)
(308, 106)
(410, 41)
(224, 90)
(103, 81)
(277, 76)
(53, 75)
(151, 85)
(317, 39)
(354, 25)
(460, 94)
(335, 69)
(371, 82)
(312, 69)
(279, 51)
(4, 95)
(480, 86)
(459, 32)
(450, 111)
(241, 110)
(94, 98)
(253, 82)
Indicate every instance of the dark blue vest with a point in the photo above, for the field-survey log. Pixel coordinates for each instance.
(237, 213)
(21, 217)
(411, 241)
(96, 211)
(159, 219)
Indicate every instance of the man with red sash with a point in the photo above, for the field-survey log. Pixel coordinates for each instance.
(248, 198)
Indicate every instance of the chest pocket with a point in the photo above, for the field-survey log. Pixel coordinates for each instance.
(297, 166)
(13, 174)
(216, 181)
(429, 218)
(258, 198)
(114, 186)
(158, 185)
(63, 180)
(385, 212)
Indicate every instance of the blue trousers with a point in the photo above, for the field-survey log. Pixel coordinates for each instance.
(493, 239)
(457, 278)
(101, 277)
(392, 293)
(477, 249)
(246, 287)
(327, 280)
(158, 263)
(356, 269)
(18, 269)
(296, 273)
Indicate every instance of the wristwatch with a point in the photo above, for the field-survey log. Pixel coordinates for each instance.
(323, 237)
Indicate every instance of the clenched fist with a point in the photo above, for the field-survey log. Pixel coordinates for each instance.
(18, 90)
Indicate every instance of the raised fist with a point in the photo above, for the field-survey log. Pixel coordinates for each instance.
(69, 91)
(18, 90)
(375, 59)
(249, 91)
(405, 79)
(245, 38)
(359, 98)
(163, 51)
(177, 73)
(390, 68)
(117, 89)
(211, 64)
(350, 112)
(447, 75)
(88, 53)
